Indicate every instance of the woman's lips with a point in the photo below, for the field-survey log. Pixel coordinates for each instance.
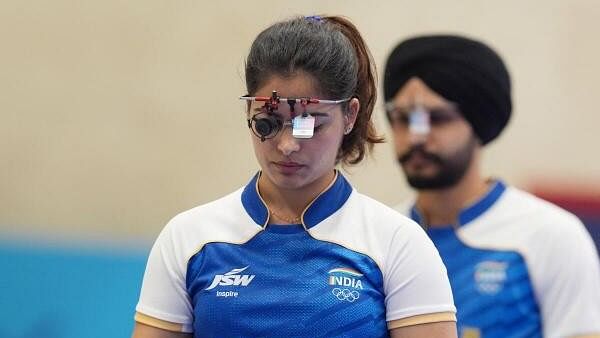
(288, 167)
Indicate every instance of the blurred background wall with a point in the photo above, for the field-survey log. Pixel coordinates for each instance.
(116, 115)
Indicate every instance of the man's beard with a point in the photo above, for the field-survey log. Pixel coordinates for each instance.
(451, 169)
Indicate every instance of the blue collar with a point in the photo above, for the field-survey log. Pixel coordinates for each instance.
(475, 210)
(328, 202)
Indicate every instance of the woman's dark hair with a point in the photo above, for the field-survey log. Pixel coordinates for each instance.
(330, 49)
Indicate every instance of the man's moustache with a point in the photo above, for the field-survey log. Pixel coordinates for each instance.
(420, 151)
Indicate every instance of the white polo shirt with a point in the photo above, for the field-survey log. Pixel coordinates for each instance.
(353, 268)
(519, 267)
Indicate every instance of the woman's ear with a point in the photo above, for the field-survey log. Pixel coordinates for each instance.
(353, 108)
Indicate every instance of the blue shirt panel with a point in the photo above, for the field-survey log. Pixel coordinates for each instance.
(288, 285)
(492, 290)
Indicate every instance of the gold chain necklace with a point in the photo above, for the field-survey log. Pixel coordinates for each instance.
(295, 220)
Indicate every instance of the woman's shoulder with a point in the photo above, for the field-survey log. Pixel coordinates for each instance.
(226, 205)
(379, 212)
(221, 220)
(379, 225)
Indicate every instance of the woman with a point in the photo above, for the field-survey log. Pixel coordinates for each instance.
(298, 252)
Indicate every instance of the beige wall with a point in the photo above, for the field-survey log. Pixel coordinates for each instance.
(115, 115)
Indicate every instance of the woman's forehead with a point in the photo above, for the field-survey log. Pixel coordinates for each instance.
(298, 85)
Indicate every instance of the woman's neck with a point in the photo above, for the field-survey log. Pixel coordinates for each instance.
(287, 205)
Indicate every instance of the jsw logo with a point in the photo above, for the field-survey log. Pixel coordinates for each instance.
(231, 278)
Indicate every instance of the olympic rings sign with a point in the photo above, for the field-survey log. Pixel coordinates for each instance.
(345, 294)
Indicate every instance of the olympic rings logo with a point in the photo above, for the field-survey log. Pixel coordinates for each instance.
(345, 294)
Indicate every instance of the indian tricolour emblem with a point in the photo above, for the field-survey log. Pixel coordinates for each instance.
(490, 276)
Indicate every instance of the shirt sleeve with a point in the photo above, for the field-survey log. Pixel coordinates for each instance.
(415, 279)
(163, 298)
(566, 276)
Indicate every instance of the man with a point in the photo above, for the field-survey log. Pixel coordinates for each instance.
(518, 266)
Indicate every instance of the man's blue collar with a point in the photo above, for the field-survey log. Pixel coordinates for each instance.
(473, 211)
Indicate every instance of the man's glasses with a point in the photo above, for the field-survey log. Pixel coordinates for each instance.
(266, 122)
(420, 120)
